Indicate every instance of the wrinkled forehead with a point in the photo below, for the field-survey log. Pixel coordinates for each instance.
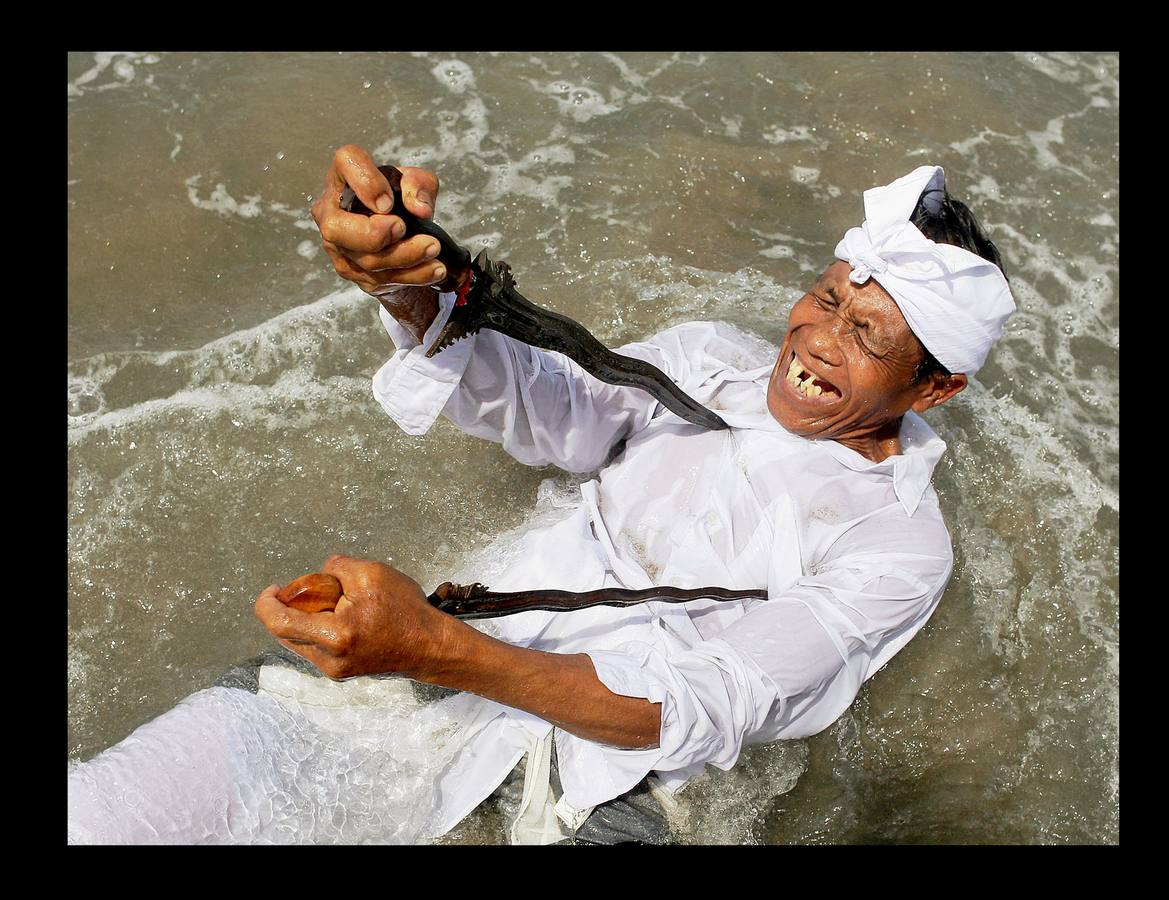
(869, 301)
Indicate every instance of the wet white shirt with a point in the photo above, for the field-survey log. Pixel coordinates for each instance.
(854, 554)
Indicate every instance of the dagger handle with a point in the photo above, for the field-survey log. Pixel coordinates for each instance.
(315, 592)
(456, 259)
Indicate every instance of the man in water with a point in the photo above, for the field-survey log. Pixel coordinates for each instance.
(819, 491)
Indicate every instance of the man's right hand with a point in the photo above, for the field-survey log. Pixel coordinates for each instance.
(369, 250)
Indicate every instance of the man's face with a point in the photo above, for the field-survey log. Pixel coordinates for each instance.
(847, 363)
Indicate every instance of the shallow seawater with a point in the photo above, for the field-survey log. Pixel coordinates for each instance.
(223, 436)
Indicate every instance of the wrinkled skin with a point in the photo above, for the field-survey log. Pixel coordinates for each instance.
(855, 339)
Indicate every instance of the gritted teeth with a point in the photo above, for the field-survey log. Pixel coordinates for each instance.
(805, 382)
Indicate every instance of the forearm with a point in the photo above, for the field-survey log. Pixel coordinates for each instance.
(560, 688)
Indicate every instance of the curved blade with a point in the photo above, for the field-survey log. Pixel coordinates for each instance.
(493, 302)
(477, 601)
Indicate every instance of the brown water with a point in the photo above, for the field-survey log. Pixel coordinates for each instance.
(223, 436)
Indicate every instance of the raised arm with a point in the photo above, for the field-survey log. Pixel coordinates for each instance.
(369, 250)
(543, 408)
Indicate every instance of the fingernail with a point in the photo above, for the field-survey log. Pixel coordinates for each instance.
(397, 230)
(432, 251)
(384, 203)
(440, 272)
(424, 196)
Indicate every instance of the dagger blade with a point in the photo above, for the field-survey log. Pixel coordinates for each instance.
(493, 302)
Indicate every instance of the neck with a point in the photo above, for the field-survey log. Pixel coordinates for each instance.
(879, 445)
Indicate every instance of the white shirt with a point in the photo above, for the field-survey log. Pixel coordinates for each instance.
(854, 554)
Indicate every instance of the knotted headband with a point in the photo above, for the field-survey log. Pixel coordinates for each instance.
(955, 301)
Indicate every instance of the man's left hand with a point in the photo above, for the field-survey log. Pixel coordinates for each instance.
(382, 623)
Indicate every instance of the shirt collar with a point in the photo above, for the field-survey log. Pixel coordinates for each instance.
(911, 469)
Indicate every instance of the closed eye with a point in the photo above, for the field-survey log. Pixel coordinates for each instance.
(865, 338)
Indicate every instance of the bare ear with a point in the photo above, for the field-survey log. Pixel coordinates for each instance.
(940, 389)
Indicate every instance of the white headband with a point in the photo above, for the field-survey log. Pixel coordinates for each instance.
(955, 301)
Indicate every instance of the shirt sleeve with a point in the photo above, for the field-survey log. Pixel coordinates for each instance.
(786, 669)
(540, 405)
